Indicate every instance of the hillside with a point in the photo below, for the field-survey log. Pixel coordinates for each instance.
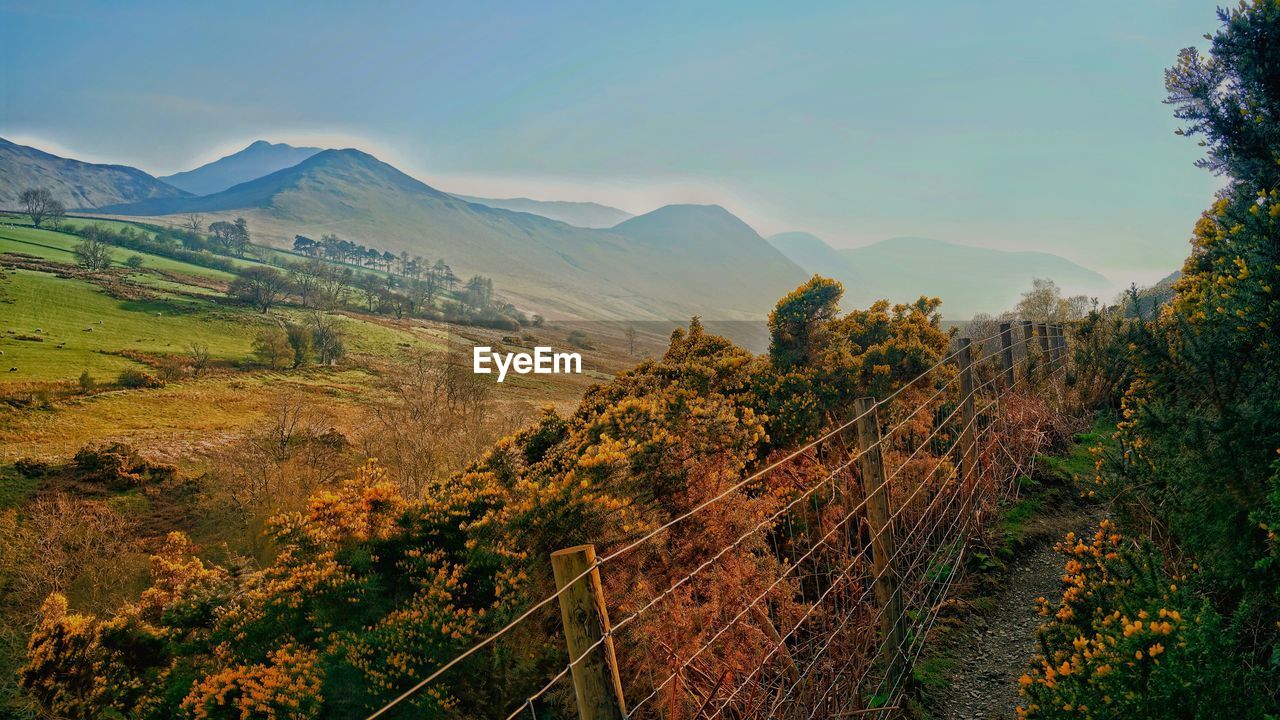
(630, 272)
(77, 184)
(969, 279)
(815, 255)
(258, 159)
(581, 214)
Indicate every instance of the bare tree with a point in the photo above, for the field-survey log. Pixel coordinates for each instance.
(199, 353)
(69, 540)
(283, 461)
(439, 417)
(37, 202)
(260, 287)
(92, 253)
(55, 214)
(193, 222)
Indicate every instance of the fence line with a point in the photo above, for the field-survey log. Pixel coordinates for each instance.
(1028, 357)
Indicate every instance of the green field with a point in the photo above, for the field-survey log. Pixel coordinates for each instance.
(89, 323)
(57, 247)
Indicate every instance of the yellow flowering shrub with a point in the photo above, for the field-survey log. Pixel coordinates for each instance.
(1126, 641)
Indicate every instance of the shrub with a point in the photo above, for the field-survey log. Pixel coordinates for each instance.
(579, 339)
(171, 368)
(1128, 641)
(87, 382)
(118, 467)
(30, 467)
(132, 378)
(299, 339)
(272, 348)
(134, 261)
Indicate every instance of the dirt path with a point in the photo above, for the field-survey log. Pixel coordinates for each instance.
(992, 651)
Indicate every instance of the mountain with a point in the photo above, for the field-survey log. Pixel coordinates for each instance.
(701, 242)
(260, 158)
(581, 214)
(667, 265)
(969, 279)
(77, 184)
(814, 255)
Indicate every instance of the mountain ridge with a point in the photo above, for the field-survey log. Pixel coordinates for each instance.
(550, 265)
(577, 213)
(78, 184)
(256, 160)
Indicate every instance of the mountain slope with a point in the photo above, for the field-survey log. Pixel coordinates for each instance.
(580, 214)
(77, 184)
(548, 265)
(258, 159)
(814, 255)
(968, 279)
(696, 243)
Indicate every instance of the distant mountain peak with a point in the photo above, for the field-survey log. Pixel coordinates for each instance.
(578, 214)
(256, 160)
(670, 223)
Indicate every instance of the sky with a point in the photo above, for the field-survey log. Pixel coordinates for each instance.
(1010, 125)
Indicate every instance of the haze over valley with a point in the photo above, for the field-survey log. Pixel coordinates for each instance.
(562, 258)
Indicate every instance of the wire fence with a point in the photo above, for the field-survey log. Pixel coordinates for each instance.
(808, 605)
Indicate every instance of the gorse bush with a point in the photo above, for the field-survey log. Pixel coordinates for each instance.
(369, 590)
(1127, 641)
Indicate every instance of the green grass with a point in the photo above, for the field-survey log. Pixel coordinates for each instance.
(1079, 463)
(15, 487)
(90, 323)
(57, 247)
(62, 309)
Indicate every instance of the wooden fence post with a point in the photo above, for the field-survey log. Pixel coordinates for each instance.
(1059, 343)
(1028, 333)
(586, 620)
(1006, 352)
(883, 546)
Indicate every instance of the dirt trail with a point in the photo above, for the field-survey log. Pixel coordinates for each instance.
(993, 650)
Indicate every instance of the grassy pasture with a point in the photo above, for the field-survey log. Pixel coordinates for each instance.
(57, 247)
(89, 324)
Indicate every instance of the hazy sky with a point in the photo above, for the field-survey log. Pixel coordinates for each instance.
(1005, 124)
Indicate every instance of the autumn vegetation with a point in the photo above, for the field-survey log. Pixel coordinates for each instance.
(365, 581)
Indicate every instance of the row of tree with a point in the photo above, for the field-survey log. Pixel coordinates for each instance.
(316, 284)
(331, 247)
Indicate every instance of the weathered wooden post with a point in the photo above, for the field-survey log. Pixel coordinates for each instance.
(883, 546)
(1006, 352)
(1059, 343)
(596, 683)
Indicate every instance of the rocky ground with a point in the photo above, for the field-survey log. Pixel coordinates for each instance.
(991, 650)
